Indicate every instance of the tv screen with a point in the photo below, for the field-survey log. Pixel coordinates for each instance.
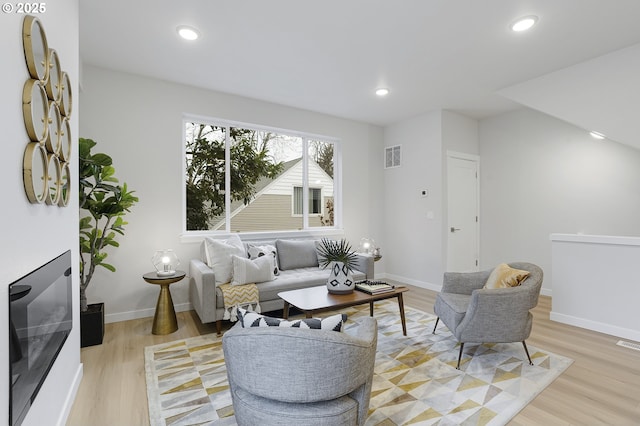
(40, 319)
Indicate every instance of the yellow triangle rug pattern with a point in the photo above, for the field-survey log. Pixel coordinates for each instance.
(415, 381)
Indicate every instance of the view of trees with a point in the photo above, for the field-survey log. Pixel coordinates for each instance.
(205, 170)
(255, 155)
(322, 153)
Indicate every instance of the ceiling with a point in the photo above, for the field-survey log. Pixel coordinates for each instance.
(329, 56)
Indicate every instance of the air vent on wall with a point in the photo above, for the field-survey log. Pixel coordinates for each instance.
(392, 157)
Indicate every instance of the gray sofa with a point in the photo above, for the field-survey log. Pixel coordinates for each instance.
(324, 378)
(207, 299)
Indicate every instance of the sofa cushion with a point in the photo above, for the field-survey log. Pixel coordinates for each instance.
(504, 276)
(290, 280)
(254, 319)
(294, 254)
(255, 251)
(247, 271)
(218, 253)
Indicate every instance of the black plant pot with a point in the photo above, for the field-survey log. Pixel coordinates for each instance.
(92, 325)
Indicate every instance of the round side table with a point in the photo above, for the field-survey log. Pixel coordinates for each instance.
(164, 320)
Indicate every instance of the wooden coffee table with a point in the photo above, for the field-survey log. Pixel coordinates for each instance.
(317, 299)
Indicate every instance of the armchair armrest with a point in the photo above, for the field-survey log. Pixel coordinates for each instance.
(202, 290)
(464, 282)
(365, 263)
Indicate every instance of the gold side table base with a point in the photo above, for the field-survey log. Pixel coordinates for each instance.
(164, 320)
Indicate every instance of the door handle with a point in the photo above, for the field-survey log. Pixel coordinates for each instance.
(455, 229)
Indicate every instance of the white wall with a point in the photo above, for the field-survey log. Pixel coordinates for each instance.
(138, 121)
(540, 176)
(413, 243)
(459, 133)
(34, 234)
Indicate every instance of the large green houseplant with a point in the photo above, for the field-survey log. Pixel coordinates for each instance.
(103, 203)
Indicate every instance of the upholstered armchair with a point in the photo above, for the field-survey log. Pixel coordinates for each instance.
(498, 315)
(292, 376)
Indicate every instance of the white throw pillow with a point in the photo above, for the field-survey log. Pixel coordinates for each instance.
(247, 271)
(219, 252)
(256, 251)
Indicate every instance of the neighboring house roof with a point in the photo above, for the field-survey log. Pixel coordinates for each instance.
(265, 184)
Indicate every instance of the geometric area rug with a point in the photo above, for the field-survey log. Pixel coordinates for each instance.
(415, 379)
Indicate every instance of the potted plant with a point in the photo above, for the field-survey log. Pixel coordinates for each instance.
(103, 203)
(342, 259)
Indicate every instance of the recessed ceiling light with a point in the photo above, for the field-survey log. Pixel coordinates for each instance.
(188, 33)
(382, 91)
(597, 135)
(523, 24)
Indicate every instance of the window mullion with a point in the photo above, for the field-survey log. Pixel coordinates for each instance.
(305, 183)
(227, 179)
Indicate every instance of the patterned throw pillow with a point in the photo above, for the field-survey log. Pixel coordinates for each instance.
(254, 319)
(259, 251)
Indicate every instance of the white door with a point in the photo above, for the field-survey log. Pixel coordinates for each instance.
(462, 229)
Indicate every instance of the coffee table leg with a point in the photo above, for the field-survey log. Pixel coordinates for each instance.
(285, 310)
(401, 306)
(370, 309)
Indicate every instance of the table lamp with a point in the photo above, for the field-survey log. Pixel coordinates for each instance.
(367, 245)
(165, 262)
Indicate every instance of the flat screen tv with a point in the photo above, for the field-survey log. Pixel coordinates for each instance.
(40, 319)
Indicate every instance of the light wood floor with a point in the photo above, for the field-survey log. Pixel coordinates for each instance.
(602, 386)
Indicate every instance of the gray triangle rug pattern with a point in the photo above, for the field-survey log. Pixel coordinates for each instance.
(415, 381)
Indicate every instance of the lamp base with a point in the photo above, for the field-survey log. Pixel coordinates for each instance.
(166, 273)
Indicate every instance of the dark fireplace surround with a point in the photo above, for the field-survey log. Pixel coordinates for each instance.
(40, 320)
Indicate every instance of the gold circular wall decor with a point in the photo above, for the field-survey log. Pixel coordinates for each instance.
(65, 184)
(54, 176)
(65, 140)
(34, 172)
(54, 83)
(66, 99)
(46, 106)
(53, 140)
(35, 109)
(36, 48)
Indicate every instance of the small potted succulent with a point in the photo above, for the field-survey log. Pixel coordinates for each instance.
(341, 258)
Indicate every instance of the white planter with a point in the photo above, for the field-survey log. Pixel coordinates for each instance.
(340, 280)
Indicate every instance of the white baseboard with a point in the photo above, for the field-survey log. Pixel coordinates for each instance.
(71, 396)
(613, 330)
(142, 313)
(417, 283)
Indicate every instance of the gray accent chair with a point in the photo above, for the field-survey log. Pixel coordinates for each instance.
(478, 315)
(292, 376)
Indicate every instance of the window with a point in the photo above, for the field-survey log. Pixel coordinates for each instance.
(246, 178)
(315, 200)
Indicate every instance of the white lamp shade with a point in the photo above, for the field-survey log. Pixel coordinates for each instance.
(367, 245)
(165, 261)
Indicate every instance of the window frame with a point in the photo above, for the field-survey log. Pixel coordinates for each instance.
(336, 229)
